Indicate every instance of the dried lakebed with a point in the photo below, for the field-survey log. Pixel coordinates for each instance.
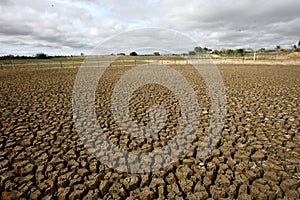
(257, 156)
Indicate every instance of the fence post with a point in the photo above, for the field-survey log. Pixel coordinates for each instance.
(12, 62)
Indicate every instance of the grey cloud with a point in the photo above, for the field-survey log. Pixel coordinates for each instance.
(6, 2)
(247, 20)
(81, 25)
(11, 29)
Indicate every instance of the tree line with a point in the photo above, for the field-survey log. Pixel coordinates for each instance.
(36, 56)
(195, 51)
(240, 51)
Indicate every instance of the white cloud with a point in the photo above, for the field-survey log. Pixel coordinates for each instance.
(65, 26)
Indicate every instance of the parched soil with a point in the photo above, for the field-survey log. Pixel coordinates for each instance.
(257, 156)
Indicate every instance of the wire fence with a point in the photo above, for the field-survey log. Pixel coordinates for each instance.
(77, 62)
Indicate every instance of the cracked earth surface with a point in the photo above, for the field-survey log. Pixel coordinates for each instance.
(257, 156)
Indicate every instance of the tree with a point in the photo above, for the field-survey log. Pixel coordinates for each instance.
(205, 49)
(82, 54)
(223, 51)
(249, 50)
(156, 53)
(198, 50)
(192, 53)
(294, 47)
(41, 56)
(133, 54)
(10, 56)
(262, 50)
(229, 51)
(216, 52)
(278, 47)
(240, 51)
(299, 44)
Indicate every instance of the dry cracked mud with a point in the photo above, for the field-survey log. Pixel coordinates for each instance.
(257, 156)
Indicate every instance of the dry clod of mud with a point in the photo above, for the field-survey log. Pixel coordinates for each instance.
(257, 157)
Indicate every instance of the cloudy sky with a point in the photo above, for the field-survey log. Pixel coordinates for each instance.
(73, 26)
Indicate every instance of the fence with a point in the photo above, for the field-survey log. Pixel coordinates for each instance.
(70, 62)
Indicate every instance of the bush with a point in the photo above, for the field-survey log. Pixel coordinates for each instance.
(240, 51)
(191, 53)
(133, 54)
(229, 51)
(198, 50)
(41, 56)
(216, 52)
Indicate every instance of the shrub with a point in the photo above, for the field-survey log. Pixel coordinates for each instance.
(191, 53)
(41, 56)
(133, 54)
